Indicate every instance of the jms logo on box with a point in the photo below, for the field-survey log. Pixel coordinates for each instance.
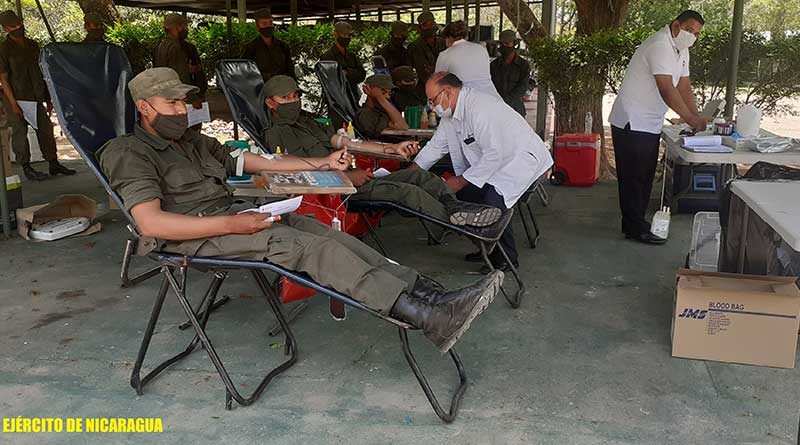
(697, 314)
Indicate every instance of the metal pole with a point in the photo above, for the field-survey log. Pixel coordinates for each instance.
(501, 20)
(398, 14)
(380, 14)
(466, 13)
(46, 23)
(358, 10)
(293, 11)
(426, 5)
(19, 8)
(241, 6)
(331, 8)
(4, 207)
(733, 58)
(229, 26)
(478, 20)
(448, 11)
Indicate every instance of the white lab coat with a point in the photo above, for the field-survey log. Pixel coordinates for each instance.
(470, 63)
(489, 142)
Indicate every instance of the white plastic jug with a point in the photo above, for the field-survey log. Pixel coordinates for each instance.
(748, 121)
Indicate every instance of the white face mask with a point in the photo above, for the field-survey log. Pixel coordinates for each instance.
(442, 112)
(684, 40)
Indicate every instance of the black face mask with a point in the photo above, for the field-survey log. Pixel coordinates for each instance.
(428, 33)
(170, 126)
(505, 51)
(183, 34)
(398, 41)
(267, 31)
(95, 35)
(344, 42)
(407, 88)
(287, 114)
(18, 33)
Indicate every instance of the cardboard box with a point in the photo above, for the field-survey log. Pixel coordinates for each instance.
(750, 319)
(64, 206)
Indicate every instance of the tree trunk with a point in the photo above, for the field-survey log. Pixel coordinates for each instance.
(593, 16)
(105, 8)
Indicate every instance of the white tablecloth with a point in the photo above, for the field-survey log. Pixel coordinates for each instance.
(741, 155)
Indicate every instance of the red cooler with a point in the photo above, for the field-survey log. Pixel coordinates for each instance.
(577, 159)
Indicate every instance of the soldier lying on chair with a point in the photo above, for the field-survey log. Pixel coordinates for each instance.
(172, 180)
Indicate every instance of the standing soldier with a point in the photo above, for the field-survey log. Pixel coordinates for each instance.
(176, 53)
(95, 28)
(406, 94)
(510, 72)
(394, 52)
(424, 51)
(23, 82)
(272, 56)
(352, 67)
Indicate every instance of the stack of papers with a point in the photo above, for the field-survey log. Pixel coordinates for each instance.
(705, 144)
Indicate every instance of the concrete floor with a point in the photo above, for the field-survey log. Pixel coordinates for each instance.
(586, 359)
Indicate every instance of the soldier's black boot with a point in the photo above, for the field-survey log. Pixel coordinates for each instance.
(33, 175)
(444, 316)
(57, 169)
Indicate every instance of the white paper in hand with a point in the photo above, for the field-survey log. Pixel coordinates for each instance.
(198, 116)
(278, 207)
(29, 111)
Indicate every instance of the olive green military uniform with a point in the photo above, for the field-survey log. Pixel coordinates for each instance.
(371, 121)
(91, 36)
(349, 63)
(412, 187)
(182, 57)
(406, 93)
(21, 63)
(511, 80)
(423, 59)
(394, 52)
(188, 176)
(271, 60)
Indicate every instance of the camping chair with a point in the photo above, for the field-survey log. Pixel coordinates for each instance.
(340, 98)
(69, 68)
(532, 232)
(106, 95)
(245, 96)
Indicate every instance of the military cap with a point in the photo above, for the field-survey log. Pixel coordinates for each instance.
(399, 28)
(263, 13)
(173, 19)
(457, 29)
(279, 86)
(508, 36)
(404, 73)
(9, 18)
(380, 81)
(93, 18)
(343, 28)
(162, 82)
(426, 16)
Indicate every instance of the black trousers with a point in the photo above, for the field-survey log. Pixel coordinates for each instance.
(636, 155)
(489, 196)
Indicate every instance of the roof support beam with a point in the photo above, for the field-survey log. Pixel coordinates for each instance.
(733, 58)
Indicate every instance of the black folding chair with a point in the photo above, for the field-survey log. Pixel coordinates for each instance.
(243, 85)
(69, 70)
(338, 94)
(532, 231)
(102, 73)
(233, 75)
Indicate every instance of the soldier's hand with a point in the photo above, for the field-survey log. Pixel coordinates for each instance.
(359, 177)
(17, 110)
(405, 148)
(249, 222)
(339, 160)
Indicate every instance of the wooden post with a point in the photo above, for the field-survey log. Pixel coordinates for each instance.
(358, 10)
(241, 6)
(293, 11)
(478, 20)
(466, 13)
(448, 11)
(331, 8)
(380, 14)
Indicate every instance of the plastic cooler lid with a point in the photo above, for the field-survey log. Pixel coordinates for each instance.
(578, 137)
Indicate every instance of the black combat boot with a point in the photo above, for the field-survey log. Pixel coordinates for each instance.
(444, 316)
(468, 214)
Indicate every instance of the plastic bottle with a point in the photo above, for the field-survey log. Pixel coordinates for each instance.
(660, 225)
(350, 131)
(587, 123)
(432, 122)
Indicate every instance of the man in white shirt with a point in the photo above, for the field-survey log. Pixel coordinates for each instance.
(657, 78)
(496, 155)
(468, 61)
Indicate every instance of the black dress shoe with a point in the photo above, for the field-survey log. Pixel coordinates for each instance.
(33, 175)
(57, 169)
(646, 238)
(474, 257)
(498, 265)
(444, 316)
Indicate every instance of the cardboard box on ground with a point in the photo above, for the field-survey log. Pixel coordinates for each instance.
(749, 319)
(64, 206)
